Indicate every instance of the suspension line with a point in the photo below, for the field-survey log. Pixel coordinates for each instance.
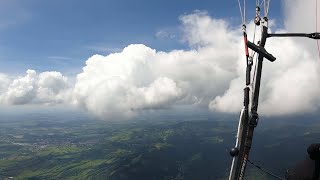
(318, 45)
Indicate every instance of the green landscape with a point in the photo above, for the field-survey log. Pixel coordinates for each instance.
(46, 148)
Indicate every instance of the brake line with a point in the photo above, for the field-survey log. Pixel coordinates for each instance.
(265, 171)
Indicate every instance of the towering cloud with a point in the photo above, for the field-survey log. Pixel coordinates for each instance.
(139, 78)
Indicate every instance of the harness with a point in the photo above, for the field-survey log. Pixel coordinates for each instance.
(249, 116)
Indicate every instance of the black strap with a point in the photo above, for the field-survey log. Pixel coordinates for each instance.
(315, 35)
(316, 171)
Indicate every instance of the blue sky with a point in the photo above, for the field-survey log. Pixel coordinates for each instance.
(60, 35)
(56, 39)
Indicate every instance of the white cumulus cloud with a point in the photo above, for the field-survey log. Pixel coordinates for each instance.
(45, 88)
(140, 78)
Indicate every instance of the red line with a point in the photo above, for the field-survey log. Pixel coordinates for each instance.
(246, 47)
